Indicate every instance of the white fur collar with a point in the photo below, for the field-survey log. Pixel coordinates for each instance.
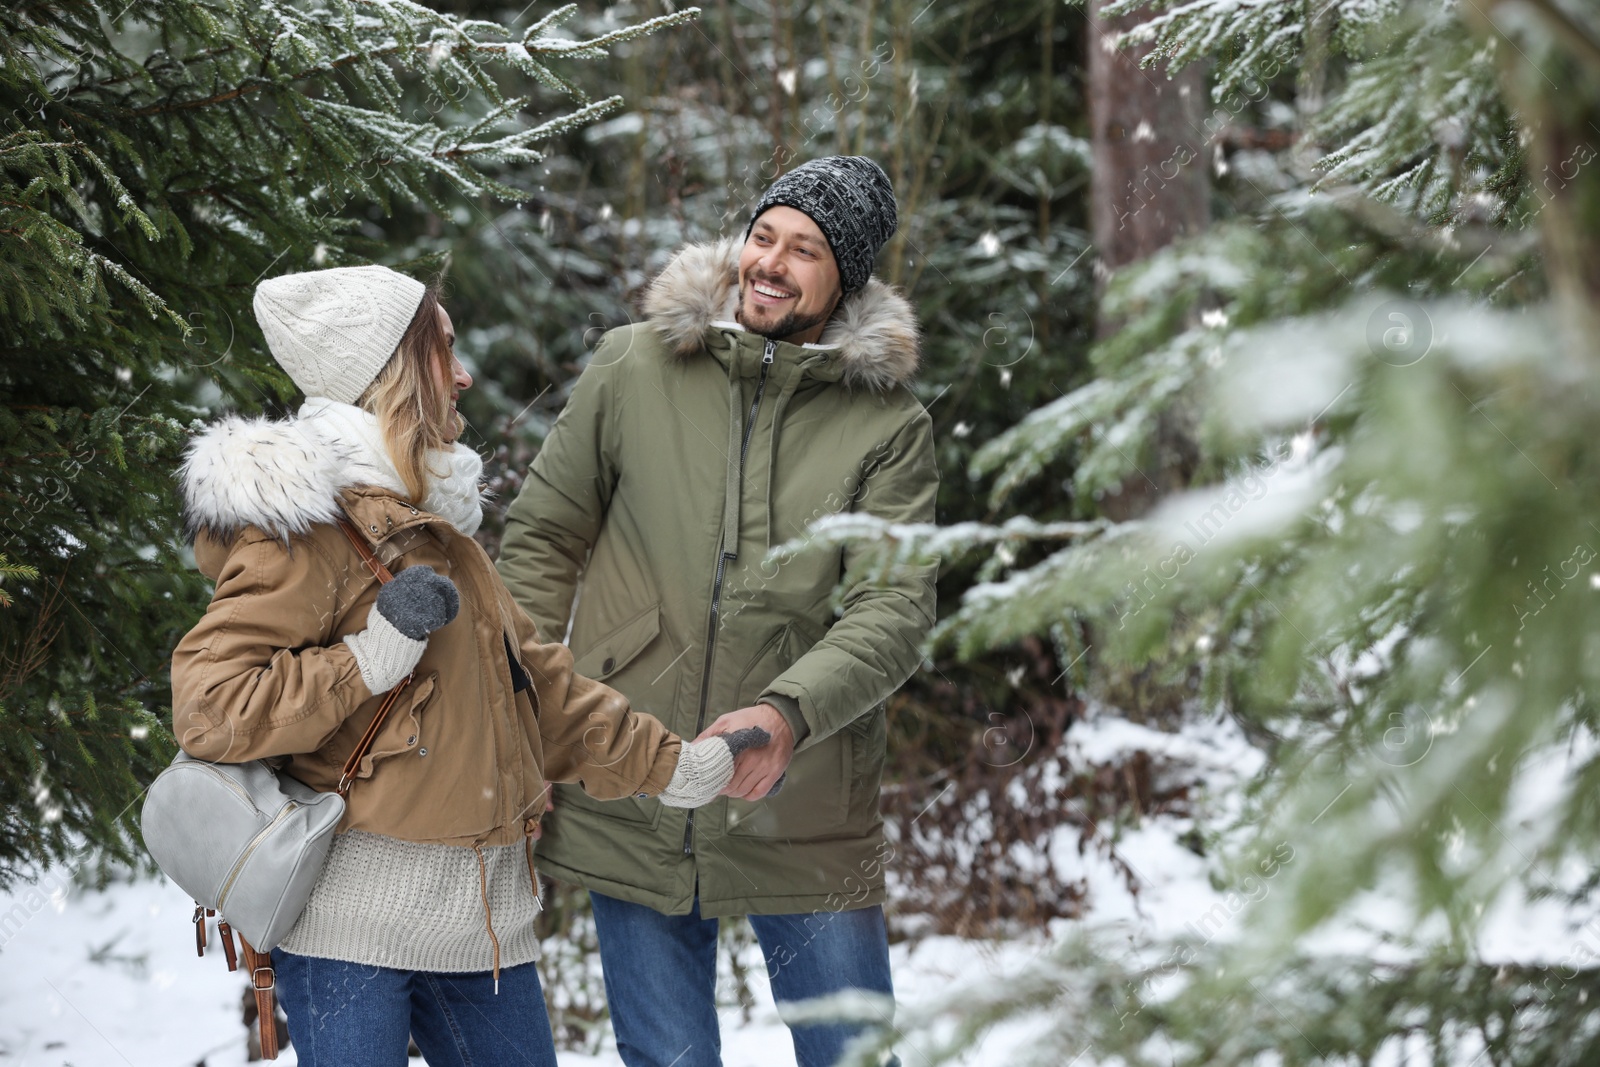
(284, 476)
(874, 328)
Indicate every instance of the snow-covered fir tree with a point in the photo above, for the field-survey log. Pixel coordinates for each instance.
(157, 159)
(1385, 565)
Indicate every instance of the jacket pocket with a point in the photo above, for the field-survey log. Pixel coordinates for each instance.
(621, 646)
(626, 809)
(771, 660)
(814, 801)
(869, 748)
(604, 659)
(402, 731)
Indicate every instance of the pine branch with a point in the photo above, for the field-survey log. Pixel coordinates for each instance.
(35, 650)
(514, 51)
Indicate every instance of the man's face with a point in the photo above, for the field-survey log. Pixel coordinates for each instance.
(788, 279)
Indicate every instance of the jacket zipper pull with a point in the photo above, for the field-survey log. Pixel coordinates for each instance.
(772, 346)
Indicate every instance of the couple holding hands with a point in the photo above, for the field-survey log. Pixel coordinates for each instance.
(767, 386)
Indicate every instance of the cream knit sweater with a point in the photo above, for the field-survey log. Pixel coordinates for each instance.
(384, 902)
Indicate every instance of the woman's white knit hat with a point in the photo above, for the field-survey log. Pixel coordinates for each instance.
(333, 330)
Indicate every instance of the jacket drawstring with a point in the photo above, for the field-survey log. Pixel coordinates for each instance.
(533, 876)
(488, 918)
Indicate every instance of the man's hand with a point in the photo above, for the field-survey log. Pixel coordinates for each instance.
(756, 770)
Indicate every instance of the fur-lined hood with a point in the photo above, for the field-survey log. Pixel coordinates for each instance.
(874, 328)
(285, 476)
(281, 475)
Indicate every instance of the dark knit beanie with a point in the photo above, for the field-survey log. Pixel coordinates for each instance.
(852, 203)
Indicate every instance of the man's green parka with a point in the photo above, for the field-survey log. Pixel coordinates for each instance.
(688, 448)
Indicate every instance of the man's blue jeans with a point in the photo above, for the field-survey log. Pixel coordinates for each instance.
(351, 1015)
(661, 978)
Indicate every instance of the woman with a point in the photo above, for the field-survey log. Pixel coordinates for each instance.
(422, 922)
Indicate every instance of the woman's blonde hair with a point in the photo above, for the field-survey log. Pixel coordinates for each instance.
(410, 399)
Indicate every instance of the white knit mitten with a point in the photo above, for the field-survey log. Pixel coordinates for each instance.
(706, 767)
(415, 603)
(384, 654)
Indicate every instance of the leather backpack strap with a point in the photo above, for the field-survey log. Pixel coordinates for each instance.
(264, 981)
(364, 550)
(225, 932)
(347, 774)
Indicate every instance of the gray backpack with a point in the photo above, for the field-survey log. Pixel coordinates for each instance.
(241, 840)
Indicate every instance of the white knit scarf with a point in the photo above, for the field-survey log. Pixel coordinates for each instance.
(453, 489)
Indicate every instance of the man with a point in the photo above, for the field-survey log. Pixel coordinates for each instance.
(768, 387)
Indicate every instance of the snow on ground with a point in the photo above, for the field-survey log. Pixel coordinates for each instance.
(1174, 885)
(110, 977)
(89, 978)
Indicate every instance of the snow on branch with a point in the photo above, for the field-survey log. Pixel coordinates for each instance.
(1258, 31)
(914, 542)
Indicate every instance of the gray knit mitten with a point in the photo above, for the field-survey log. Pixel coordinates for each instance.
(419, 601)
(706, 767)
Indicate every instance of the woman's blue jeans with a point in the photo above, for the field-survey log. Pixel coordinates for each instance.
(661, 978)
(351, 1015)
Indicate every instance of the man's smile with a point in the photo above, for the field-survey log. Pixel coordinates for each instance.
(768, 294)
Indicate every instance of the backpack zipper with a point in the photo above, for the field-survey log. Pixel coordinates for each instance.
(716, 585)
(244, 857)
(226, 780)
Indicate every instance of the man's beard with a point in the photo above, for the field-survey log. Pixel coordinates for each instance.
(788, 326)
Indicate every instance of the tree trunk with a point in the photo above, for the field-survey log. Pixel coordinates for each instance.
(1149, 189)
(1149, 143)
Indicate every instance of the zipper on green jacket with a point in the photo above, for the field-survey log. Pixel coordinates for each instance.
(716, 585)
